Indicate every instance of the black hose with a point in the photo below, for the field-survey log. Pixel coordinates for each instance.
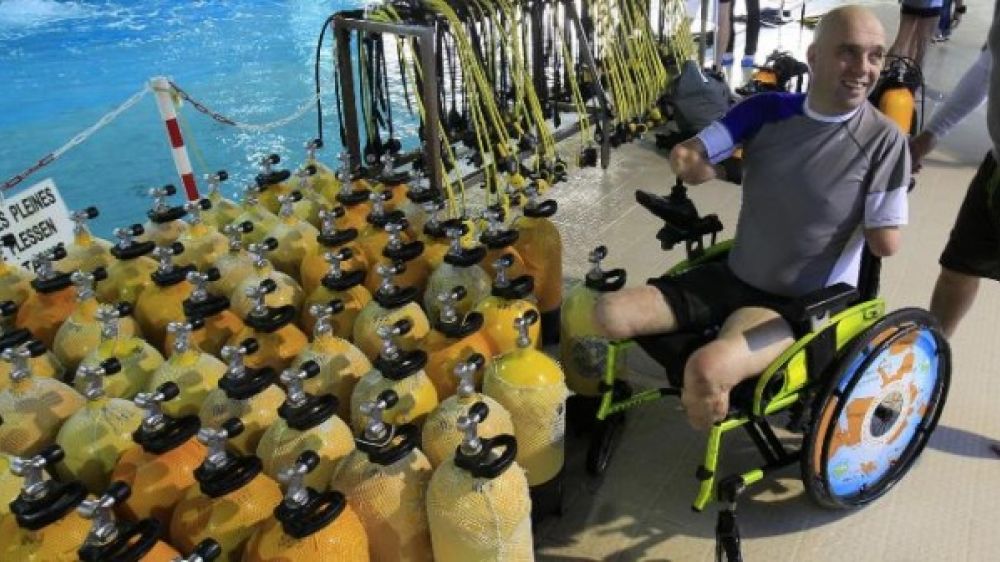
(319, 104)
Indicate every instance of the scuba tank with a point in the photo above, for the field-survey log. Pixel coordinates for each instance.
(385, 480)
(540, 245)
(274, 329)
(434, 234)
(33, 408)
(222, 211)
(131, 272)
(410, 254)
(80, 333)
(309, 525)
(9, 483)
(245, 393)
(43, 525)
(52, 301)
(193, 370)
(296, 238)
(236, 264)
(163, 301)
(96, 435)
(389, 304)
(307, 422)
(206, 551)
(331, 240)
(221, 324)
(15, 281)
(110, 540)
(478, 505)
(530, 385)
(256, 214)
(392, 182)
(460, 267)
(164, 226)
(287, 291)
(271, 183)
(399, 370)
(373, 237)
(161, 468)
(347, 287)
(86, 251)
(42, 362)
(500, 241)
(441, 436)
(354, 195)
(232, 497)
(453, 338)
(507, 302)
(414, 209)
(203, 244)
(137, 358)
(324, 181)
(341, 365)
(308, 208)
(894, 93)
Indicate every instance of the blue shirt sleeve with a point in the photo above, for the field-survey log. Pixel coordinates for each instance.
(746, 118)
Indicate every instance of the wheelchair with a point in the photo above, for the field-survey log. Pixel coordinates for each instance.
(864, 387)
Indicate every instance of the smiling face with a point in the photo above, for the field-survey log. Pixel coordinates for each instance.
(845, 60)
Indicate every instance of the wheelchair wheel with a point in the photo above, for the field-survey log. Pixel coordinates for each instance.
(605, 435)
(879, 407)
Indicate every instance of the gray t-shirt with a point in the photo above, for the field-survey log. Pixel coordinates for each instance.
(811, 185)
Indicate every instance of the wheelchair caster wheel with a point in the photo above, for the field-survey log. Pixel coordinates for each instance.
(604, 441)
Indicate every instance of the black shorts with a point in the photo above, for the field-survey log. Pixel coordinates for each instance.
(703, 297)
(974, 244)
(921, 8)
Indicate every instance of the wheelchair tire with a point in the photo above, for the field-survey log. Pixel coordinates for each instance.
(879, 406)
(604, 440)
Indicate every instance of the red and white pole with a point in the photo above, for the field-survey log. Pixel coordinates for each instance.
(165, 103)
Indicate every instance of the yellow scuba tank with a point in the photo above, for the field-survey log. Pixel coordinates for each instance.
(583, 351)
(385, 481)
(231, 499)
(271, 183)
(415, 209)
(274, 329)
(52, 301)
(296, 238)
(96, 435)
(441, 436)
(354, 195)
(288, 292)
(416, 271)
(15, 281)
(137, 358)
(389, 305)
(531, 386)
(306, 422)
(454, 338)
(399, 370)
(131, 272)
(500, 242)
(86, 252)
(193, 370)
(161, 468)
(308, 208)
(164, 226)
(42, 362)
(43, 525)
(324, 181)
(341, 365)
(163, 301)
(80, 333)
(540, 245)
(460, 268)
(392, 183)
(309, 525)
(507, 302)
(221, 324)
(10, 484)
(256, 214)
(347, 287)
(434, 234)
(203, 244)
(236, 264)
(478, 505)
(34, 408)
(245, 393)
(373, 236)
(110, 539)
(331, 240)
(222, 211)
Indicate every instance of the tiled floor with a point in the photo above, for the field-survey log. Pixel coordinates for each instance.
(944, 509)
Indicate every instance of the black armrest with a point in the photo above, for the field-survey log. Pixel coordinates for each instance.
(825, 301)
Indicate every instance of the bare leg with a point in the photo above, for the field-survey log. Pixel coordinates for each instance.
(903, 45)
(632, 312)
(924, 33)
(723, 30)
(953, 295)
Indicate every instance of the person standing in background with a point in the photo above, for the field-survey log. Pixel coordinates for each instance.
(725, 25)
(917, 21)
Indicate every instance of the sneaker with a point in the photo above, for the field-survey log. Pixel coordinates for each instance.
(747, 61)
(727, 59)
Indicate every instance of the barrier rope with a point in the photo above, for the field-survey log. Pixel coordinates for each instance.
(262, 128)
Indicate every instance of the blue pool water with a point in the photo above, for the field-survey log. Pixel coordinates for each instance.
(64, 64)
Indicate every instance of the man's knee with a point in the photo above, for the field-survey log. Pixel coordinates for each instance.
(632, 312)
(611, 316)
(705, 369)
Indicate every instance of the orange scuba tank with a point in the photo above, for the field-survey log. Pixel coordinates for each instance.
(52, 301)
(393, 183)
(163, 301)
(307, 422)
(314, 266)
(434, 234)
(86, 252)
(161, 468)
(10, 484)
(296, 238)
(15, 281)
(33, 408)
(221, 324)
(341, 365)
(137, 358)
(507, 302)
(222, 211)
(385, 481)
(164, 226)
(245, 393)
(131, 272)
(309, 525)
(43, 525)
(288, 292)
(416, 271)
(274, 329)
(236, 264)
(897, 104)
(454, 338)
(373, 236)
(256, 214)
(500, 241)
(80, 333)
(42, 362)
(540, 246)
(272, 183)
(355, 195)
(203, 244)
(111, 540)
(193, 370)
(347, 287)
(460, 268)
(390, 304)
(399, 370)
(232, 497)
(96, 435)
(441, 436)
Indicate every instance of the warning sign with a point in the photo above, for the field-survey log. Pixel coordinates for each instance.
(34, 221)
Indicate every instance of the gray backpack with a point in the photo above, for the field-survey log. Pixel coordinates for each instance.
(699, 97)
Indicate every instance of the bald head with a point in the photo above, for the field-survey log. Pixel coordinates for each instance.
(843, 17)
(845, 58)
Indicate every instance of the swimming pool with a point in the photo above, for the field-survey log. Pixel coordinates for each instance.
(65, 64)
